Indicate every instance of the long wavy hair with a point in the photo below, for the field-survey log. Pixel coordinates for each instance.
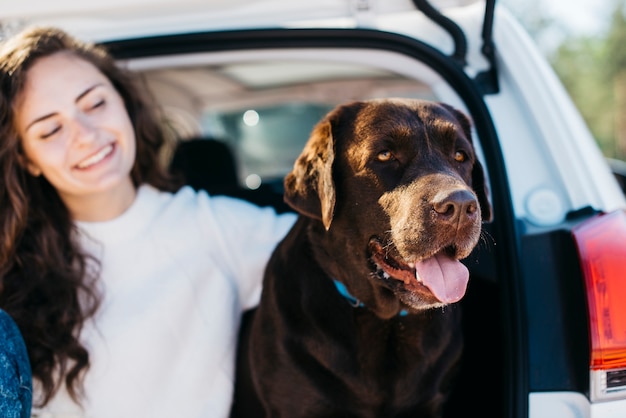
(46, 280)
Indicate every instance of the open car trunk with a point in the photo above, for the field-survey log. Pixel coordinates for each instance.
(255, 76)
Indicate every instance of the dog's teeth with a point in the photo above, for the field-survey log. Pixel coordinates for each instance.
(386, 275)
(417, 277)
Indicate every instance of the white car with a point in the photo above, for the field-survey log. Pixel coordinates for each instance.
(546, 308)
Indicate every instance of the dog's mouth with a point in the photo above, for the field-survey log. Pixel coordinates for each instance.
(440, 276)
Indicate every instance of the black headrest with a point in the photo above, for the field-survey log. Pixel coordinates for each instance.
(205, 163)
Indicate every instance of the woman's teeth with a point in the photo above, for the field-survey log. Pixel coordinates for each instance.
(96, 158)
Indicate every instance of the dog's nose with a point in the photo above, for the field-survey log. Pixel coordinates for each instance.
(456, 206)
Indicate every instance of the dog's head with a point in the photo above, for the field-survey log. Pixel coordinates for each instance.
(400, 197)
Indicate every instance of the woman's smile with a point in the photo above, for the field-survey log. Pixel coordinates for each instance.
(76, 132)
(96, 158)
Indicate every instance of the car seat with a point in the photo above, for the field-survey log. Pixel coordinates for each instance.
(209, 164)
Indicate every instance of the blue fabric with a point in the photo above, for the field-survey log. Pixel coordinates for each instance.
(343, 290)
(15, 374)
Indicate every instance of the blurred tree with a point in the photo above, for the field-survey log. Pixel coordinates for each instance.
(593, 70)
(579, 62)
(616, 72)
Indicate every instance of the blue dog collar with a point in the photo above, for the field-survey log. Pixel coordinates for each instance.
(343, 291)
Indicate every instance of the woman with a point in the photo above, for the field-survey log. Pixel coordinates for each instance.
(127, 293)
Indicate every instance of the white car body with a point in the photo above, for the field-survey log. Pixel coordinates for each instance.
(552, 163)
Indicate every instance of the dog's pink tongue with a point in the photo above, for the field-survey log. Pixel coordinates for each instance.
(446, 277)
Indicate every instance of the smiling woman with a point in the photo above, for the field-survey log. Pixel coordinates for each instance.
(43, 272)
(107, 269)
(75, 131)
(138, 313)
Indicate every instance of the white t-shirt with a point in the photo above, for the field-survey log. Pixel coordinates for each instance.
(177, 270)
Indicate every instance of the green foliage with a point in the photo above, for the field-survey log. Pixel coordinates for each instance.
(593, 70)
(616, 40)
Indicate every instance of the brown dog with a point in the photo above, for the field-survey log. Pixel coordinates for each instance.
(392, 196)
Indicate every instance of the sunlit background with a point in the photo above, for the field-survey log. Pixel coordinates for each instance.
(585, 41)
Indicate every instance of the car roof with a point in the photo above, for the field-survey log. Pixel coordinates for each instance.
(105, 20)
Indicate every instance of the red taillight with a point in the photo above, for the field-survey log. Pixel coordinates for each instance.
(601, 243)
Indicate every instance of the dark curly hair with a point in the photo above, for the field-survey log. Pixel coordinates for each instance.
(46, 280)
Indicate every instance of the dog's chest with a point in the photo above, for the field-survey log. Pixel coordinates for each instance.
(388, 366)
(399, 345)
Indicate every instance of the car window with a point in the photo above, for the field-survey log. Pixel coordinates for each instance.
(265, 109)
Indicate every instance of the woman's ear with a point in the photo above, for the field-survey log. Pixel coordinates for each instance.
(33, 169)
(29, 166)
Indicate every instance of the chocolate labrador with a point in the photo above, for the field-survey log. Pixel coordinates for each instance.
(358, 316)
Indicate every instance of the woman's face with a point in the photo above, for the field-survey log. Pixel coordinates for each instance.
(75, 130)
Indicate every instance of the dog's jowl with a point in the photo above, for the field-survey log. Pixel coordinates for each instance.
(359, 313)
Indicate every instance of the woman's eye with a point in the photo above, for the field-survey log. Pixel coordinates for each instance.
(50, 133)
(460, 156)
(98, 104)
(385, 156)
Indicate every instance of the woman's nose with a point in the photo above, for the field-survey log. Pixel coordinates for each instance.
(85, 130)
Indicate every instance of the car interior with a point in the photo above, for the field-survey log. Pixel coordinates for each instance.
(239, 124)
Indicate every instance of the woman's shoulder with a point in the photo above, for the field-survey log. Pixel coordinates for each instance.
(187, 207)
(161, 201)
(188, 199)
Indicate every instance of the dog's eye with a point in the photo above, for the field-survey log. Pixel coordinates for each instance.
(460, 156)
(385, 156)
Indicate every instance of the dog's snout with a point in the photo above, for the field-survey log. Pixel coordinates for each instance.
(456, 206)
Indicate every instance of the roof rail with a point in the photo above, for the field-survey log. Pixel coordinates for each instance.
(486, 80)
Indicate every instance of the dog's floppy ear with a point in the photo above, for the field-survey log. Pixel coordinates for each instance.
(309, 187)
(478, 175)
